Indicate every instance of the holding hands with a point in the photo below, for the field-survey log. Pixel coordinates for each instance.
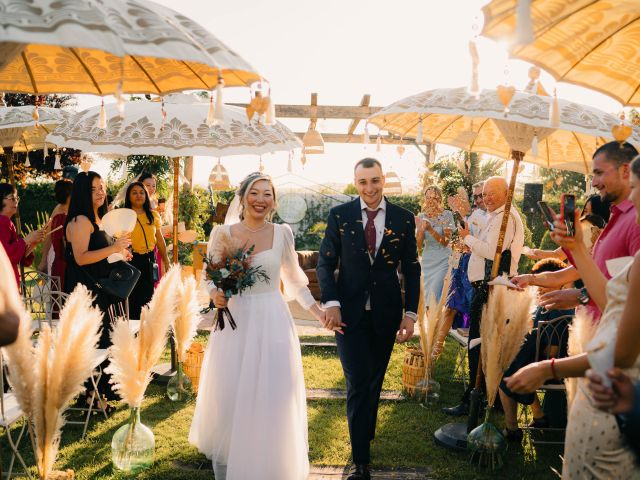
(333, 320)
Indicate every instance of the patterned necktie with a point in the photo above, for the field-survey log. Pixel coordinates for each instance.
(370, 232)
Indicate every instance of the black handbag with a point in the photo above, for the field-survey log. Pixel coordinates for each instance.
(120, 282)
(154, 269)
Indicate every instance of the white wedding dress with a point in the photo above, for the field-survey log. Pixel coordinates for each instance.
(251, 413)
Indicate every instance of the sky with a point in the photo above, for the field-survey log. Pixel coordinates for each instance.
(344, 49)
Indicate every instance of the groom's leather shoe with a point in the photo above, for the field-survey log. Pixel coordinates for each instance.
(359, 471)
(457, 411)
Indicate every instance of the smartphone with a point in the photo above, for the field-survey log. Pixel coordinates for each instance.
(547, 214)
(568, 212)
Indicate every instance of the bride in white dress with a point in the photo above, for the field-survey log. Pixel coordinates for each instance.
(251, 413)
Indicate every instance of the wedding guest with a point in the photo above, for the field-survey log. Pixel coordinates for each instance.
(623, 400)
(87, 249)
(19, 250)
(53, 260)
(433, 233)
(605, 454)
(150, 182)
(9, 304)
(483, 249)
(146, 236)
(619, 238)
(551, 346)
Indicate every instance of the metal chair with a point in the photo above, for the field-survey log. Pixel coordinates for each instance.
(36, 283)
(45, 308)
(551, 332)
(10, 415)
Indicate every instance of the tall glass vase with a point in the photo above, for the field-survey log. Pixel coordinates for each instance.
(133, 445)
(179, 387)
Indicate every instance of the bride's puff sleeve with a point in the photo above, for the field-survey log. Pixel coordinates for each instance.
(294, 279)
(211, 250)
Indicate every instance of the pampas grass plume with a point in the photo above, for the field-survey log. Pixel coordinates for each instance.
(581, 331)
(187, 316)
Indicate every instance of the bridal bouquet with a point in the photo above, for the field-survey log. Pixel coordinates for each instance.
(231, 270)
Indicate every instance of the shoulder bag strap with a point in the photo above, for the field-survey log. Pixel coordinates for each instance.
(144, 234)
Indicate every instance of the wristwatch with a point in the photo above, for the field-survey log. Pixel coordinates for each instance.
(583, 296)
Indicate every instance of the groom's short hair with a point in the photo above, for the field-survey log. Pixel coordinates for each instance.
(367, 163)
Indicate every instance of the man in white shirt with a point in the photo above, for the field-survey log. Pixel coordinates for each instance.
(483, 249)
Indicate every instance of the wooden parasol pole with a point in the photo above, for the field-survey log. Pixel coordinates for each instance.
(176, 195)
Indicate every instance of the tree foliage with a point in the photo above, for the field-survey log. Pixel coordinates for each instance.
(460, 169)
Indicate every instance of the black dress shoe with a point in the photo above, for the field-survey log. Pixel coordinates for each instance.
(457, 411)
(359, 471)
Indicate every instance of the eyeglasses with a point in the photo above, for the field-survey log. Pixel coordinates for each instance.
(15, 198)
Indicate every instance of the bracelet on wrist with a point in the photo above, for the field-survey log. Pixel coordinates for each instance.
(553, 369)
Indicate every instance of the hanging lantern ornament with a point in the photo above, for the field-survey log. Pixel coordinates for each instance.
(219, 111)
(420, 133)
(622, 131)
(57, 164)
(524, 24)
(505, 95)
(27, 163)
(554, 112)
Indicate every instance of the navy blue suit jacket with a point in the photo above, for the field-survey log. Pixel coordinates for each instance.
(344, 247)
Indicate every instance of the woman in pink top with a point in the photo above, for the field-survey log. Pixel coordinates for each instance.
(19, 250)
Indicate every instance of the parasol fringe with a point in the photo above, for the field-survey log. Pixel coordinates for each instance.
(102, 118)
(554, 112)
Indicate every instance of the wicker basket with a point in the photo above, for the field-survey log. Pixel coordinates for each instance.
(61, 475)
(193, 363)
(413, 370)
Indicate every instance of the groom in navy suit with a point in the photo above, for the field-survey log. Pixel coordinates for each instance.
(367, 239)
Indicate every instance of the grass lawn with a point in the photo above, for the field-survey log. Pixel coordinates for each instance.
(404, 435)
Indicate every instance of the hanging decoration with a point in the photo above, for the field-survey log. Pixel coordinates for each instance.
(554, 111)
(261, 103)
(379, 142)
(290, 162)
(27, 163)
(474, 86)
(102, 119)
(36, 114)
(57, 165)
(524, 24)
(45, 151)
(400, 148)
(534, 145)
(211, 112)
(505, 94)
(621, 131)
(367, 140)
(163, 112)
(218, 116)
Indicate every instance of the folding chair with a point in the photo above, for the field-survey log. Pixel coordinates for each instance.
(551, 332)
(36, 283)
(10, 415)
(45, 307)
(461, 354)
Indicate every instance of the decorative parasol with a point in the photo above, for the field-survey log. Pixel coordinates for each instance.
(509, 124)
(24, 129)
(176, 127)
(112, 47)
(591, 43)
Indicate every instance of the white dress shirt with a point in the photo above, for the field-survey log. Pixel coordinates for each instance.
(379, 222)
(476, 221)
(483, 246)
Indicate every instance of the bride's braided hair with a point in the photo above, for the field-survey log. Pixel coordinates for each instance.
(246, 185)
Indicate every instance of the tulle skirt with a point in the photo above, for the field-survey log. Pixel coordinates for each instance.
(251, 415)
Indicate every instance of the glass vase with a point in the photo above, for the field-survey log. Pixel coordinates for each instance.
(487, 445)
(179, 387)
(133, 445)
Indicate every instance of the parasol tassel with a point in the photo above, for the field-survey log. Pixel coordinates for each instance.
(270, 114)
(163, 113)
(27, 163)
(46, 151)
(120, 99)
(211, 112)
(524, 24)
(367, 140)
(554, 112)
(420, 134)
(36, 115)
(378, 143)
(474, 87)
(534, 145)
(218, 115)
(102, 118)
(57, 165)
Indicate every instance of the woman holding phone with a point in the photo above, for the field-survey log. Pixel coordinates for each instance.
(616, 341)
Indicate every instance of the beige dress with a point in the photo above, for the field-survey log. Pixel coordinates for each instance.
(594, 447)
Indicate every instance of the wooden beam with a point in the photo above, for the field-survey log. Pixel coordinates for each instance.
(355, 139)
(366, 98)
(321, 111)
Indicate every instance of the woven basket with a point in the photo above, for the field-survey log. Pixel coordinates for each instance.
(193, 363)
(61, 475)
(413, 369)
